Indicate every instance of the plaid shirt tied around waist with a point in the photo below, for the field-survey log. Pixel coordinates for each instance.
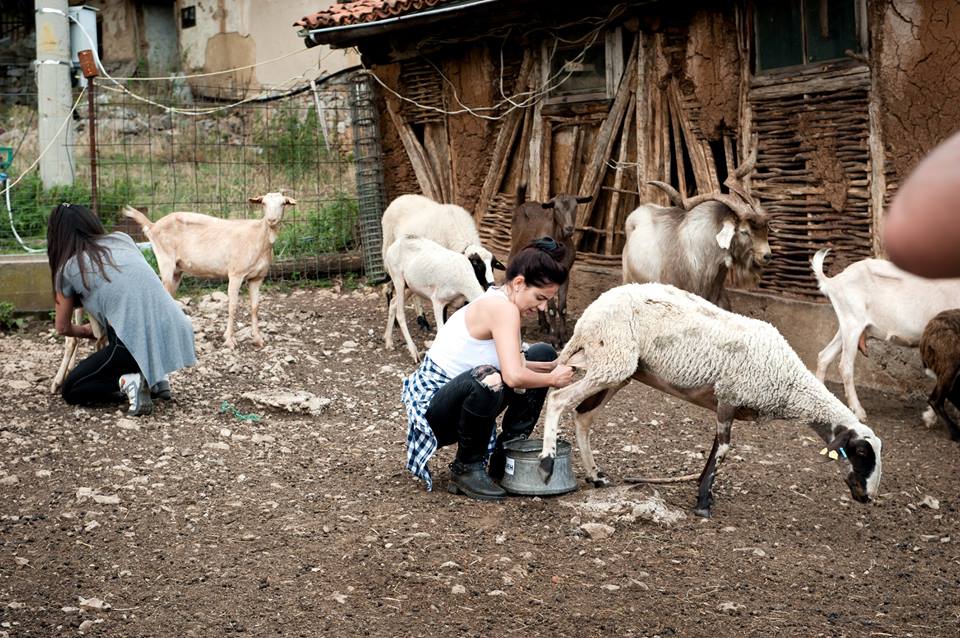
(418, 391)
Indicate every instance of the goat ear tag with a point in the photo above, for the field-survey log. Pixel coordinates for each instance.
(725, 235)
(833, 455)
(823, 452)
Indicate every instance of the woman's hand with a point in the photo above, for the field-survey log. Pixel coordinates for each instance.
(561, 376)
(540, 366)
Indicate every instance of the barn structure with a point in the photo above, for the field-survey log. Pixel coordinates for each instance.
(842, 97)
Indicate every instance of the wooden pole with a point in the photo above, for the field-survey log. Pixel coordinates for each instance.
(89, 68)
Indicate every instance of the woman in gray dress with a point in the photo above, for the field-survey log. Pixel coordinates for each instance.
(148, 336)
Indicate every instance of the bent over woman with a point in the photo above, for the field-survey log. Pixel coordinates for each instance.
(148, 336)
(475, 370)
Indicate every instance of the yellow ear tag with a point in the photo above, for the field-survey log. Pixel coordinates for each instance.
(823, 452)
(833, 455)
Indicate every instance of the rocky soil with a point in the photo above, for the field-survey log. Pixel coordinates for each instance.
(270, 498)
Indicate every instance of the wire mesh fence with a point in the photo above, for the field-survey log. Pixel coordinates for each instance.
(159, 160)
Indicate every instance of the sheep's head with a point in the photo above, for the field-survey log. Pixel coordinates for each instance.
(273, 204)
(484, 263)
(565, 212)
(858, 448)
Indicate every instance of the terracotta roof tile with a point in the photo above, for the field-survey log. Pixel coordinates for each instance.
(340, 14)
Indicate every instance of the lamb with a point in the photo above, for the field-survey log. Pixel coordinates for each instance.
(874, 298)
(430, 270)
(205, 246)
(447, 224)
(555, 218)
(940, 351)
(681, 344)
(695, 243)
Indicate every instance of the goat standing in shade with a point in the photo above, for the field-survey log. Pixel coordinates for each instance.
(555, 218)
(694, 244)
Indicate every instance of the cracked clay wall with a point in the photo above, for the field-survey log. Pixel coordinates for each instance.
(917, 43)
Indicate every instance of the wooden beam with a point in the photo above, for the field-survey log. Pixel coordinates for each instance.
(427, 181)
(642, 116)
(506, 136)
(596, 167)
(614, 206)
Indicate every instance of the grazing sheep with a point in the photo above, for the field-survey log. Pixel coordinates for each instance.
(683, 345)
(874, 298)
(695, 243)
(430, 270)
(205, 246)
(555, 218)
(940, 351)
(447, 224)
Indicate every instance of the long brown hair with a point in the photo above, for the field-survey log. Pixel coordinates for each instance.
(540, 262)
(73, 230)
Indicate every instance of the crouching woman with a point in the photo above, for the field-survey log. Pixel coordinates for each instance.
(475, 370)
(148, 336)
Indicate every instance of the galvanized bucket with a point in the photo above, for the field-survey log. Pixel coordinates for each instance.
(521, 475)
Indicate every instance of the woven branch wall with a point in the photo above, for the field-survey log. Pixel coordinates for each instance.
(813, 177)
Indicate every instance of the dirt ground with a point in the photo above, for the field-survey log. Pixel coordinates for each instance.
(200, 521)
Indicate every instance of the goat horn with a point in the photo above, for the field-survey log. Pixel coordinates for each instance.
(675, 197)
(739, 208)
(747, 166)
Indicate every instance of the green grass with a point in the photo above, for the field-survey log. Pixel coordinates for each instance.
(8, 321)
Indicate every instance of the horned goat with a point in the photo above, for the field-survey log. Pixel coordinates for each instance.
(696, 242)
(679, 343)
(940, 351)
(449, 225)
(430, 270)
(874, 298)
(554, 218)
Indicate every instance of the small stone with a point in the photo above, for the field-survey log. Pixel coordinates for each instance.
(598, 531)
(610, 587)
(450, 565)
(730, 607)
(42, 473)
(496, 592)
(458, 589)
(10, 479)
(216, 445)
(929, 501)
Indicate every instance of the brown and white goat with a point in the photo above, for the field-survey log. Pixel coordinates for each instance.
(205, 246)
(940, 351)
(874, 298)
(555, 218)
(694, 244)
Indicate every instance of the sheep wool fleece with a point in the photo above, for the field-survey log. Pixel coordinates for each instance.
(134, 302)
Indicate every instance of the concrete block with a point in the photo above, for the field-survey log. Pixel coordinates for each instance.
(25, 282)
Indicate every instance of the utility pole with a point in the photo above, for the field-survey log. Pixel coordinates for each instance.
(54, 98)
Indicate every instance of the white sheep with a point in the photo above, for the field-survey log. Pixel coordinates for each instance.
(430, 270)
(681, 344)
(874, 298)
(449, 225)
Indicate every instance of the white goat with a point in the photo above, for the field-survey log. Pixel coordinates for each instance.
(696, 242)
(447, 224)
(205, 246)
(679, 343)
(70, 348)
(874, 298)
(430, 270)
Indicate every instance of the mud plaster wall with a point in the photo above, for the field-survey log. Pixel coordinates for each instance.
(398, 176)
(824, 162)
(472, 77)
(917, 47)
(712, 65)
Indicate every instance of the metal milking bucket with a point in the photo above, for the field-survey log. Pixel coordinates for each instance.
(521, 475)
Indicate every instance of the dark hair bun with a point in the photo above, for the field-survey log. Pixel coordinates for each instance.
(551, 246)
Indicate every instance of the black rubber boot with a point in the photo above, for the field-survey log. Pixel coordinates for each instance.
(471, 479)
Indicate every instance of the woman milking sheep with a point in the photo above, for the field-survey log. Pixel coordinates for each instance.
(475, 370)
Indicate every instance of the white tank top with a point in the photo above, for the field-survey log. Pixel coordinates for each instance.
(455, 351)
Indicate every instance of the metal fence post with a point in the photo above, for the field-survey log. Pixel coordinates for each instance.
(369, 167)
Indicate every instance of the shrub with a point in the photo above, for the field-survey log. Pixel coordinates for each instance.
(330, 229)
(7, 320)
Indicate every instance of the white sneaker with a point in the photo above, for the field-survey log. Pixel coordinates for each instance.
(135, 387)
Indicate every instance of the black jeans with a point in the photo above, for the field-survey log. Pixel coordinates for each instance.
(464, 411)
(96, 378)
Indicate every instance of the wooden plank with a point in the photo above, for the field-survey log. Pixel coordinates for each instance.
(533, 153)
(437, 153)
(614, 206)
(506, 136)
(415, 153)
(596, 167)
(546, 165)
(641, 118)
